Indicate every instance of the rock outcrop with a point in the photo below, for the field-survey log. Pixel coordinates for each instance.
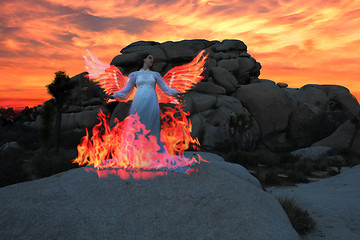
(219, 200)
(284, 118)
(331, 202)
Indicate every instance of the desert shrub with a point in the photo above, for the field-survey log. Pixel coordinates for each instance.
(267, 158)
(70, 139)
(332, 172)
(223, 147)
(240, 157)
(25, 136)
(45, 165)
(300, 219)
(297, 176)
(336, 161)
(321, 164)
(288, 160)
(12, 170)
(304, 165)
(267, 176)
(352, 161)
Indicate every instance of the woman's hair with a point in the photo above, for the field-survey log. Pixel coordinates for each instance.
(143, 55)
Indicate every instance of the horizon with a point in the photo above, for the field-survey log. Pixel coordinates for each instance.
(297, 43)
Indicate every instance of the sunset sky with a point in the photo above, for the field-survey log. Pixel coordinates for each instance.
(297, 42)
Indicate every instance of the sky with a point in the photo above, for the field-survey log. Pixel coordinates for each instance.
(297, 42)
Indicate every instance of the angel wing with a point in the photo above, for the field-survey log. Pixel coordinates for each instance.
(183, 77)
(107, 76)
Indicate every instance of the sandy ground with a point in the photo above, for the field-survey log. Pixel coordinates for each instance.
(334, 203)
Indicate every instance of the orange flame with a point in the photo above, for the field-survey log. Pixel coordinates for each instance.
(127, 146)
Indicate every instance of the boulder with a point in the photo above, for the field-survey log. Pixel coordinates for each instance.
(218, 200)
(341, 138)
(307, 124)
(198, 102)
(128, 59)
(139, 43)
(10, 146)
(84, 119)
(209, 88)
(231, 65)
(312, 95)
(196, 44)
(229, 44)
(268, 103)
(74, 108)
(154, 50)
(282, 85)
(224, 78)
(246, 64)
(212, 136)
(177, 51)
(120, 112)
(197, 122)
(313, 153)
(231, 103)
(344, 102)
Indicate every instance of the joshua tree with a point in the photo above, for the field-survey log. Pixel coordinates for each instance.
(239, 123)
(60, 90)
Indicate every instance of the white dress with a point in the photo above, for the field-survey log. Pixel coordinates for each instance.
(145, 102)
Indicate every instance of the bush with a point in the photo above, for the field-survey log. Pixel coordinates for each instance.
(267, 176)
(304, 165)
(267, 158)
(12, 170)
(300, 219)
(45, 165)
(336, 161)
(297, 176)
(241, 157)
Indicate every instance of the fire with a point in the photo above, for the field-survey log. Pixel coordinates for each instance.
(127, 148)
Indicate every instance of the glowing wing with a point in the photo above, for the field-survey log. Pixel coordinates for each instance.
(107, 76)
(183, 77)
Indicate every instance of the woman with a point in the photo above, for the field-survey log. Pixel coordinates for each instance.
(145, 102)
(136, 143)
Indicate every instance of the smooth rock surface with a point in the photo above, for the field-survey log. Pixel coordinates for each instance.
(268, 103)
(219, 200)
(341, 138)
(333, 203)
(312, 153)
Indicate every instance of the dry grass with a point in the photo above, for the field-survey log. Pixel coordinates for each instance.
(299, 218)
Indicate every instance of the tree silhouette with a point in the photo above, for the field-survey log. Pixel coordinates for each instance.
(60, 90)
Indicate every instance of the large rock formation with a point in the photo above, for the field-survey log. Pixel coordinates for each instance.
(219, 200)
(285, 118)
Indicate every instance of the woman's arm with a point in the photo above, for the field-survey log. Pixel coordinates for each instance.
(126, 91)
(165, 88)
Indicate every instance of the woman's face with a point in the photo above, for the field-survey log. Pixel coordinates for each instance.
(149, 60)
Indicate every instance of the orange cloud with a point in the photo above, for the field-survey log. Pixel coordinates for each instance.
(295, 41)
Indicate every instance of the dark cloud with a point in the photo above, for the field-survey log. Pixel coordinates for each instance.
(89, 22)
(8, 30)
(262, 9)
(12, 90)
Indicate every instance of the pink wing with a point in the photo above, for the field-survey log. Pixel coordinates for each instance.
(107, 76)
(183, 77)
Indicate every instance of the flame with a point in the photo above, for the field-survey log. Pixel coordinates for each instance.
(128, 147)
(183, 77)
